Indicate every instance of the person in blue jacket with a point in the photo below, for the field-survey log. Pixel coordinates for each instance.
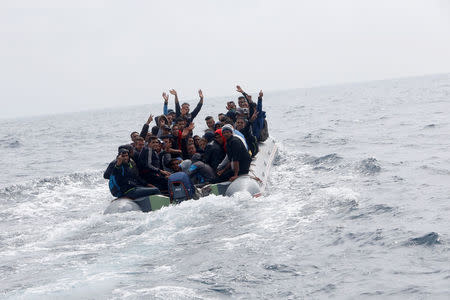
(257, 115)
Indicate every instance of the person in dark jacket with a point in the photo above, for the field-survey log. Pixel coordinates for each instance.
(237, 153)
(243, 126)
(125, 183)
(183, 111)
(214, 154)
(111, 165)
(150, 166)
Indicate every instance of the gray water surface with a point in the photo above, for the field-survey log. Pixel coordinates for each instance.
(357, 207)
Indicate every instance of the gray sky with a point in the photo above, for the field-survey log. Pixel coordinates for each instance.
(58, 56)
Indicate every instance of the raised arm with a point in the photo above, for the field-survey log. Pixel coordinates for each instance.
(259, 105)
(177, 103)
(240, 90)
(144, 130)
(166, 102)
(187, 130)
(197, 109)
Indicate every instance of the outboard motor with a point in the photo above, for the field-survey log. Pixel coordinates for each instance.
(180, 187)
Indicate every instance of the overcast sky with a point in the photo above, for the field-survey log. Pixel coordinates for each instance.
(58, 56)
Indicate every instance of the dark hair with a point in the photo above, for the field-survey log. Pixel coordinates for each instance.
(208, 118)
(127, 147)
(163, 117)
(131, 134)
(180, 119)
(173, 160)
(228, 120)
(209, 136)
(153, 138)
(140, 138)
(185, 103)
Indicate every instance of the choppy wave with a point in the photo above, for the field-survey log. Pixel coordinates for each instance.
(369, 166)
(356, 205)
(429, 239)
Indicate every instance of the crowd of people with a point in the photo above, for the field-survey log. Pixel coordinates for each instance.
(222, 153)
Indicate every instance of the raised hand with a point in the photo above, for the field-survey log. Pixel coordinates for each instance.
(173, 92)
(150, 119)
(191, 126)
(239, 89)
(200, 94)
(261, 94)
(165, 96)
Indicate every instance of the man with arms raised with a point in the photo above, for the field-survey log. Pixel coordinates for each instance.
(185, 107)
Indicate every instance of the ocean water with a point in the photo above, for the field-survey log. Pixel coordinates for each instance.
(357, 206)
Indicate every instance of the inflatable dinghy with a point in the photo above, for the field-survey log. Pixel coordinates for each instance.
(254, 183)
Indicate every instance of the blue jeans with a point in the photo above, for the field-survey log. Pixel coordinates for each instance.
(139, 192)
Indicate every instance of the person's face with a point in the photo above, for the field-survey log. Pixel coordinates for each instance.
(196, 140)
(221, 117)
(181, 124)
(167, 143)
(218, 139)
(154, 144)
(134, 135)
(210, 123)
(162, 122)
(231, 105)
(218, 126)
(125, 157)
(175, 130)
(240, 124)
(170, 118)
(175, 166)
(227, 134)
(241, 101)
(244, 105)
(158, 147)
(139, 145)
(202, 143)
(190, 141)
(184, 109)
(191, 149)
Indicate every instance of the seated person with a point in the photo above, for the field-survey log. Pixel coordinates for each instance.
(168, 152)
(237, 153)
(243, 126)
(111, 165)
(198, 171)
(124, 182)
(150, 167)
(214, 153)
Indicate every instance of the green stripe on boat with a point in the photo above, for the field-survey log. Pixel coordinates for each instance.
(158, 201)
